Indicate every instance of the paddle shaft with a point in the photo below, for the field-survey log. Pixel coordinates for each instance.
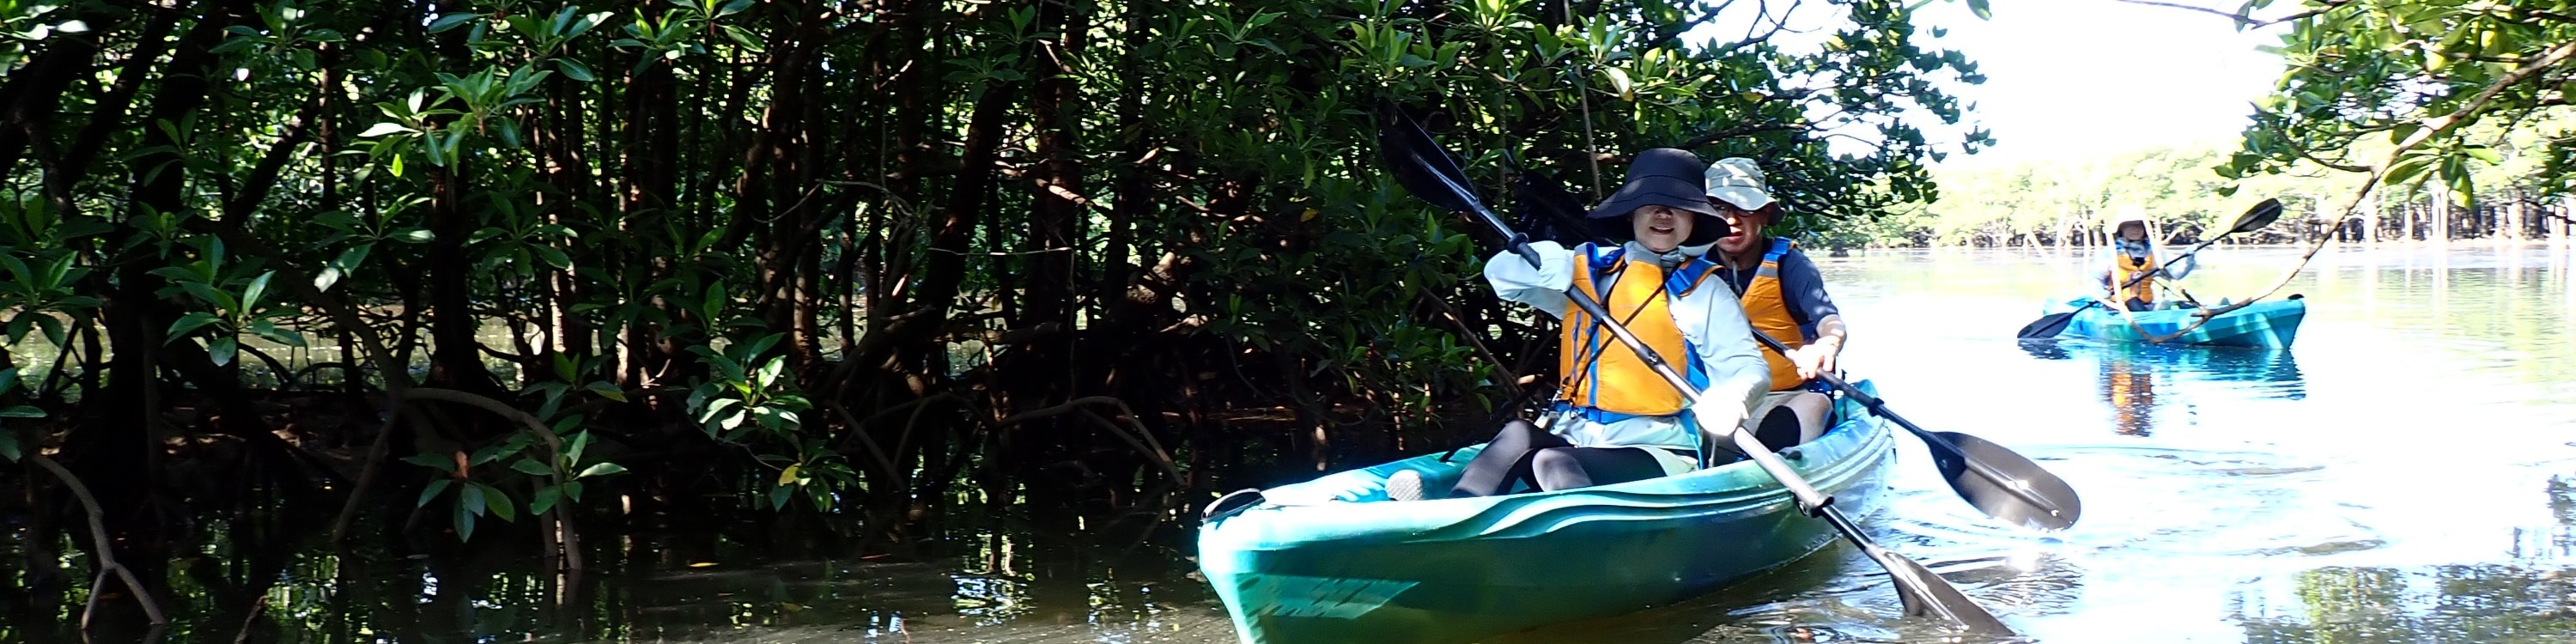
(2195, 249)
(1935, 441)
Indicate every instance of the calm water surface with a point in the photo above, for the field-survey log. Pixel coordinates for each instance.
(2407, 473)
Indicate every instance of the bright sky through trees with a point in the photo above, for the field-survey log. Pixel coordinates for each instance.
(2076, 78)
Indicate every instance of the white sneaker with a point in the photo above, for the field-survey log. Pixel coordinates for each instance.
(1404, 485)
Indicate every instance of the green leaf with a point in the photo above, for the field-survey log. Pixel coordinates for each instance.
(464, 524)
(553, 257)
(778, 497)
(600, 469)
(221, 350)
(1619, 83)
(258, 287)
(266, 329)
(545, 500)
(1979, 7)
(450, 21)
(741, 37)
(30, 411)
(9, 445)
(573, 69)
(430, 493)
(531, 467)
(469, 497)
(572, 491)
(53, 329)
(500, 504)
(8, 379)
(580, 442)
(608, 391)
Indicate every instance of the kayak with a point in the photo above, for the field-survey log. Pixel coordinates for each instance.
(1302, 566)
(2271, 324)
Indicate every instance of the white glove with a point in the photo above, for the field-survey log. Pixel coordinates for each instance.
(1718, 418)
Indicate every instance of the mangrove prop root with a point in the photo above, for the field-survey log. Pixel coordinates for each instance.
(106, 549)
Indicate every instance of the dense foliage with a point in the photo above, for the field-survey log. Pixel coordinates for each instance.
(819, 257)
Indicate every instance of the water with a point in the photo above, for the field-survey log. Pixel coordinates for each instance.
(2407, 473)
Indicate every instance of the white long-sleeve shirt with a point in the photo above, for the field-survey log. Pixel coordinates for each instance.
(1709, 317)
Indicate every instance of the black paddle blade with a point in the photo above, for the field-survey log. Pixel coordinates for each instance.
(1928, 595)
(2009, 487)
(1548, 211)
(1419, 163)
(2262, 214)
(2047, 326)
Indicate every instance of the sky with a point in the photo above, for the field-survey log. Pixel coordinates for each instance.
(2080, 78)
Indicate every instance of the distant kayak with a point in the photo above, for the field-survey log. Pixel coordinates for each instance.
(1301, 568)
(2272, 324)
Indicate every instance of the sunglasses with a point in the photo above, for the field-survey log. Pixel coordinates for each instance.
(1727, 209)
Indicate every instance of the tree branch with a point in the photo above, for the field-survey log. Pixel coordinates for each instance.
(2243, 22)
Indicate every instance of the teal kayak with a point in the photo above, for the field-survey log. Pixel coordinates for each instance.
(2271, 324)
(1301, 567)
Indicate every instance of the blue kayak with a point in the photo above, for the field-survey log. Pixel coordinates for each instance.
(1302, 567)
(2272, 324)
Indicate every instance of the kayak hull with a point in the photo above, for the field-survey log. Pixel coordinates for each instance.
(2273, 324)
(1301, 568)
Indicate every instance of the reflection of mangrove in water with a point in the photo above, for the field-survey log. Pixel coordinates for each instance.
(2530, 600)
(2459, 603)
(708, 579)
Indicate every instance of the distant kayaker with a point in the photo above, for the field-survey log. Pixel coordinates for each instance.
(2127, 268)
(1614, 419)
(1783, 295)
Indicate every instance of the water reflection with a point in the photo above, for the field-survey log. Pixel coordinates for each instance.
(2131, 393)
(2127, 374)
(995, 579)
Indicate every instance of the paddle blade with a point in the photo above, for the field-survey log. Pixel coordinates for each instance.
(1419, 163)
(2009, 487)
(1928, 595)
(1548, 211)
(2262, 214)
(2047, 326)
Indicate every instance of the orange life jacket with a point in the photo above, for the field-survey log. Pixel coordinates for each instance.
(1768, 309)
(1600, 372)
(2128, 268)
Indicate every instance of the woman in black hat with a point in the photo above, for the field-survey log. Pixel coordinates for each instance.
(1614, 419)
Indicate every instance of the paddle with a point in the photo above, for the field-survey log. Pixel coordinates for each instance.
(1429, 173)
(2262, 214)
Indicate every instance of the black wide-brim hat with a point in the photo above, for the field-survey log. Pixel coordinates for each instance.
(1668, 177)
